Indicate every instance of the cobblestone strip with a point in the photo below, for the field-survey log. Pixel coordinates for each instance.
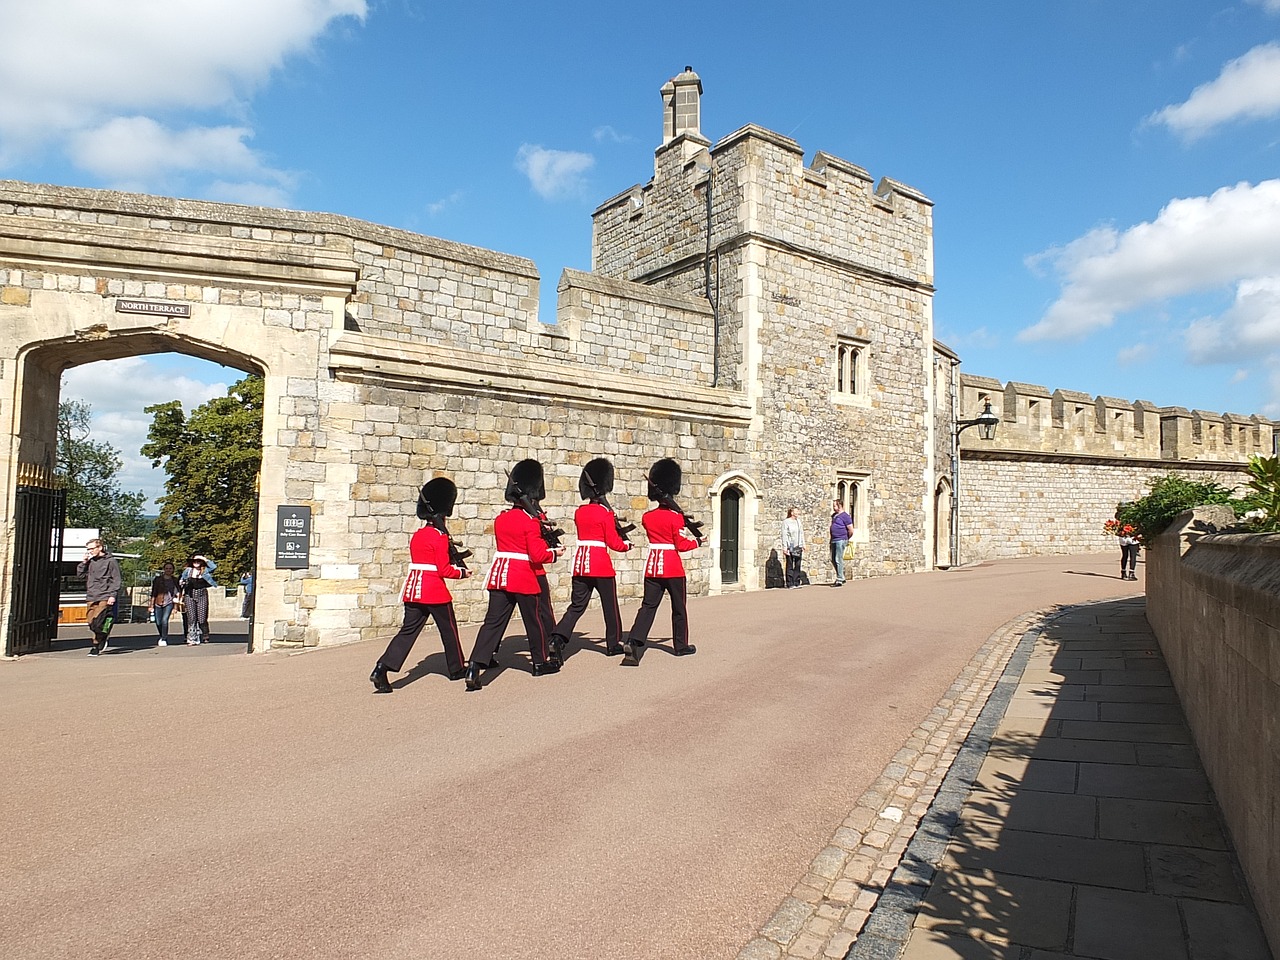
(826, 911)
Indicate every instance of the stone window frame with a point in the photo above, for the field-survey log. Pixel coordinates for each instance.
(853, 489)
(851, 371)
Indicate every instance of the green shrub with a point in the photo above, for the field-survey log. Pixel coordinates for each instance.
(1171, 495)
(1262, 502)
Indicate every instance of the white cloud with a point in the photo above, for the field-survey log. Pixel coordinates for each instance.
(130, 152)
(1248, 88)
(440, 206)
(1196, 244)
(554, 174)
(1138, 353)
(80, 76)
(607, 134)
(117, 413)
(1271, 6)
(1249, 328)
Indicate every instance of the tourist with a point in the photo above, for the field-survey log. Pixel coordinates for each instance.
(793, 546)
(841, 534)
(195, 581)
(101, 572)
(165, 589)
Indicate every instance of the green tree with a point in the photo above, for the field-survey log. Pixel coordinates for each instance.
(211, 459)
(1171, 495)
(90, 469)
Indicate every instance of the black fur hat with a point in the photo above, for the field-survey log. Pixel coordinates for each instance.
(596, 479)
(664, 478)
(437, 497)
(525, 479)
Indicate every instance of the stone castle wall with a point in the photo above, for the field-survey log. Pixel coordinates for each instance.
(1061, 461)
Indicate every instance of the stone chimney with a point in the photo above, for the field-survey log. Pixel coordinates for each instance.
(681, 111)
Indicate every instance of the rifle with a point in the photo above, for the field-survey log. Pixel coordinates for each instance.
(457, 552)
(668, 501)
(619, 523)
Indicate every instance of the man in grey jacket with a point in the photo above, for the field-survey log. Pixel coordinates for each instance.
(101, 574)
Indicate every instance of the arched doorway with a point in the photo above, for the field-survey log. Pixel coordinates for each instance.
(734, 543)
(942, 524)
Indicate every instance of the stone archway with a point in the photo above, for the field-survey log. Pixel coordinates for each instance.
(734, 489)
(97, 303)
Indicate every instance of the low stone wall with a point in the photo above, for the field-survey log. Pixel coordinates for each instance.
(1214, 603)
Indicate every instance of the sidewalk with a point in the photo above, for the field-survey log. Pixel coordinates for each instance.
(1076, 821)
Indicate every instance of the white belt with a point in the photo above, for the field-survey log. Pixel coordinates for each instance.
(424, 566)
(593, 543)
(662, 546)
(503, 555)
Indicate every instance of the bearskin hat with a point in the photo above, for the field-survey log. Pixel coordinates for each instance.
(437, 498)
(596, 479)
(525, 479)
(664, 479)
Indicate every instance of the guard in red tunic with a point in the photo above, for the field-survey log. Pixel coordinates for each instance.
(431, 562)
(599, 531)
(513, 576)
(670, 532)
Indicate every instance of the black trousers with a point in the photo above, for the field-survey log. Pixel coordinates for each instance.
(793, 569)
(607, 587)
(546, 610)
(1129, 557)
(502, 604)
(415, 618)
(654, 588)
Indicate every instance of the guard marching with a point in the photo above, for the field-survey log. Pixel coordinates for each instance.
(598, 531)
(667, 526)
(513, 575)
(433, 559)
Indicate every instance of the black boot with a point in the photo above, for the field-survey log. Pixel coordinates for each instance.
(687, 651)
(557, 644)
(473, 676)
(379, 679)
(629, 656)
(614, 651)
(546, 668)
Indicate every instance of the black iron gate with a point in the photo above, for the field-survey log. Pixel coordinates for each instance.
(38, 517)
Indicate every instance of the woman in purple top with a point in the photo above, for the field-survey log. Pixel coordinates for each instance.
(841, 533)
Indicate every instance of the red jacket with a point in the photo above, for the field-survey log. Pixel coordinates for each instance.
(521, 553)
(665, 541)
(597, 530)
(428, 567)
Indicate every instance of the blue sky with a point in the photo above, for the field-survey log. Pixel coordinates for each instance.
(1105, 172)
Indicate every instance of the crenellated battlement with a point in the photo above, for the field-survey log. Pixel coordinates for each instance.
(1034, 419)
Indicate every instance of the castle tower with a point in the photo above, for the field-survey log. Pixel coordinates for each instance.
(681, 106)
(821, 286)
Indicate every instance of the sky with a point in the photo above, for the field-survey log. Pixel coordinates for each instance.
(1105, 173)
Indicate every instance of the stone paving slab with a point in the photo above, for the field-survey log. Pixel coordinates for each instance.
(1034, 829)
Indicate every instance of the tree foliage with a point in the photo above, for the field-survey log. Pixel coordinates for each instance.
(1262, 502)
(211, 459)
(90, 470)
(1171, 495)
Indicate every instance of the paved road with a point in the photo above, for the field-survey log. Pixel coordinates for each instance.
(160, 805)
